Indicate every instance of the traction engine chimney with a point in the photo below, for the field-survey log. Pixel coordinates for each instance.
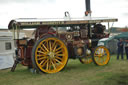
(88, 8)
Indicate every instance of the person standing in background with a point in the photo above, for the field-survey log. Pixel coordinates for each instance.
(126, 48)
(120, 45)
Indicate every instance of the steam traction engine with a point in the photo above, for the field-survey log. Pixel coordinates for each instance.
(57, 40)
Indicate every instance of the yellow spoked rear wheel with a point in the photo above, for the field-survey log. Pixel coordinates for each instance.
(50, 55)
(101, 56)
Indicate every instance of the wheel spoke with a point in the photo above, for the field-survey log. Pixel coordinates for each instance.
(50, 46)
(53, 44)
(103, 52)
(42, 58)
(58, 61)
(98, 55)
(42, 52)
(58, 48)
(54, 62)
(54, 48)
(59, 52)
(45, 48)
(98, 59)
(103, 59)
(58, 58)
(47, 65)
(47, 45)
(53, 65)
(103, 55)
(44, 63)
(41, 55)
(98, 51)
(42, 49)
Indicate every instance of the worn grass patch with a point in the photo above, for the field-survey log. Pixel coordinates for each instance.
(75, 73)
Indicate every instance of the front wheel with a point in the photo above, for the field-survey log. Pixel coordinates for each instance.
(101, 55)
(50, 55)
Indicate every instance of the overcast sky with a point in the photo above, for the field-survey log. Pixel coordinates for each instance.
(11, 9)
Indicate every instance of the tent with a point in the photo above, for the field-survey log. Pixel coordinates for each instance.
(6, 50)
(123, 35)
(110, 43)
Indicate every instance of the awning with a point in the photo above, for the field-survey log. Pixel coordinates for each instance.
(35, 22)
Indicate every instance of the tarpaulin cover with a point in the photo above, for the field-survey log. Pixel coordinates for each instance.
(6, 61)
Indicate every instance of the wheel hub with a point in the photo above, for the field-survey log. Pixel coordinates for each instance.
(51, 55)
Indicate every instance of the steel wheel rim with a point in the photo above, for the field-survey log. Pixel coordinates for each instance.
(101, 55)
(51, 55)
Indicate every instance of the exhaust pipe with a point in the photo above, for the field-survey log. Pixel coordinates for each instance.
(88, 8)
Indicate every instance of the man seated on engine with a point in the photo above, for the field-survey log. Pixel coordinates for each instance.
(99, 31)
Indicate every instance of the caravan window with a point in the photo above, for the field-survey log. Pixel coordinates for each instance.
(8, 46)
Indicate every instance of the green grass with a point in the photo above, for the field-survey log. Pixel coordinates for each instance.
(75, 73)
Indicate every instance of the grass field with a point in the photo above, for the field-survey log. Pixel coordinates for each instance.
(75, 73)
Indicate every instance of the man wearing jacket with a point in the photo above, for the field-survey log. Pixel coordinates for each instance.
(120, 45)
(126, 48)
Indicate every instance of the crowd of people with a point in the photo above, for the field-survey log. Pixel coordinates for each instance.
(121, 45)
